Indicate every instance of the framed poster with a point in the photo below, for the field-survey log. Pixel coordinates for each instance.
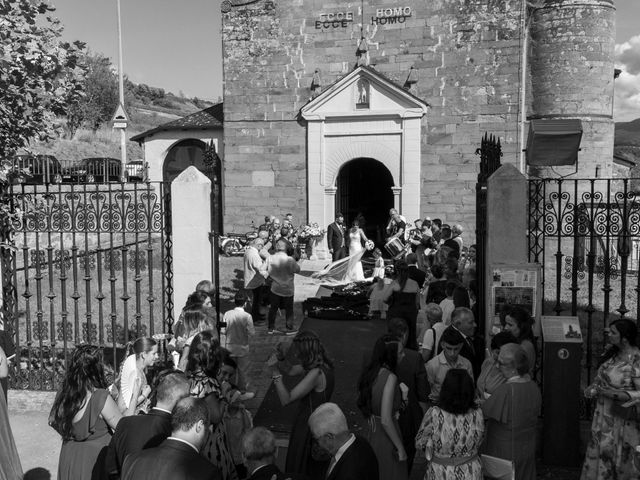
(514, 285)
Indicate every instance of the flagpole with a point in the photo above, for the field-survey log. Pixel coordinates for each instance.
(123, 132)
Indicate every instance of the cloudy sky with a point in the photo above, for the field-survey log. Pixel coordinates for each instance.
(176, 44)
(627, 99)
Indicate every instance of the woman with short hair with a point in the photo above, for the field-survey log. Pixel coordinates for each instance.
(512, 413)
(490, 376)
(452, 430)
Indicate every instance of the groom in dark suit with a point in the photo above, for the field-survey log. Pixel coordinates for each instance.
(352, 458)
(335, 238)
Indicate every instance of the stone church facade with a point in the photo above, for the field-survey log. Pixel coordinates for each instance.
(366, 105)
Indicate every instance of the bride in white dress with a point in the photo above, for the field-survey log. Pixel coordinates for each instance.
(348, 269)
(357, 238)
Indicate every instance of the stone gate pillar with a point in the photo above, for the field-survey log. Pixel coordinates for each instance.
(191, 221)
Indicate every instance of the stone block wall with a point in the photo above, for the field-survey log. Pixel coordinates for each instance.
(467, 58)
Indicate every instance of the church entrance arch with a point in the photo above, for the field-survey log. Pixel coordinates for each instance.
(364, 191)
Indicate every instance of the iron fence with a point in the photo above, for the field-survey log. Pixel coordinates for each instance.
(586, 234)
(90, 264)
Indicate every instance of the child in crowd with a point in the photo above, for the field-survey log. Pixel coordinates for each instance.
(236, 419)
(378, 268)
(239, 328)
(447, 305)
(377, 294)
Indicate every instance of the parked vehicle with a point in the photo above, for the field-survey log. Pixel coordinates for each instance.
(97, 170)
(38, 169)
(136, 171)
(236, 243)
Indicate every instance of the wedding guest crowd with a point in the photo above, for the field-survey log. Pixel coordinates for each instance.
(430, 394)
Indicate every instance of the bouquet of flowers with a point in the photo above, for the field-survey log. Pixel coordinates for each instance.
(307, 232)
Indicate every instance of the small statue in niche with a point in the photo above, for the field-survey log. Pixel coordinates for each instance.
(362, 99)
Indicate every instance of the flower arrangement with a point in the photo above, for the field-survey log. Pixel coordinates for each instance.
(309, 231)
(369, 245)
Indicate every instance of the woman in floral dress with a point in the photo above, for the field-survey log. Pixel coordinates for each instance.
(202, 367)
(615, 431)
(451, 432)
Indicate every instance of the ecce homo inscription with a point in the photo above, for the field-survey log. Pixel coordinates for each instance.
(383, 16)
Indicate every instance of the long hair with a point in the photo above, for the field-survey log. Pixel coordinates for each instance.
(310, 350)
(202, 354)
(402, 273)
(85, 373)
(524, 322)
(195, 300)
(193, 320)
(628, 331)
(457, 395)
(385, 354)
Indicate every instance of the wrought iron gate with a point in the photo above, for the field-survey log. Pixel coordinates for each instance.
(586, 235)
(91, 264)
(490, 152)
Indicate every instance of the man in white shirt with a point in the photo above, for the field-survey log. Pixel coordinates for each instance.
(281, 268)
(351, 455)
(253, 279)
(451, 343)
(238, 330)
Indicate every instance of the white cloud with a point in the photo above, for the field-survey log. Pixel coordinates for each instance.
(627, 86)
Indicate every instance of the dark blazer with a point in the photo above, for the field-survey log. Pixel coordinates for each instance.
(410, 371)
(268, 471)
(172, 460)
(359, 462)
(134, 434)
(335, 237)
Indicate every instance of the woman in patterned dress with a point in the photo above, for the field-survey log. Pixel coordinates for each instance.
(452, 431)
(202, 368)
(614, 433)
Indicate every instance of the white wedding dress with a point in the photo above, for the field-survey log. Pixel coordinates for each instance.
(354, 270)
(348, 269)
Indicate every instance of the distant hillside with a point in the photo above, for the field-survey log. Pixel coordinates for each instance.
(148, 107)
(628, 133)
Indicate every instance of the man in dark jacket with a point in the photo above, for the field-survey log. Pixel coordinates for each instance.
(352, 456)
(335, 238)
(259, 452)
(138, 432)
(177, 458)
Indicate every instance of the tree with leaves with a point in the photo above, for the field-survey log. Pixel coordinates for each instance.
(100, 98)
(40, 75)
